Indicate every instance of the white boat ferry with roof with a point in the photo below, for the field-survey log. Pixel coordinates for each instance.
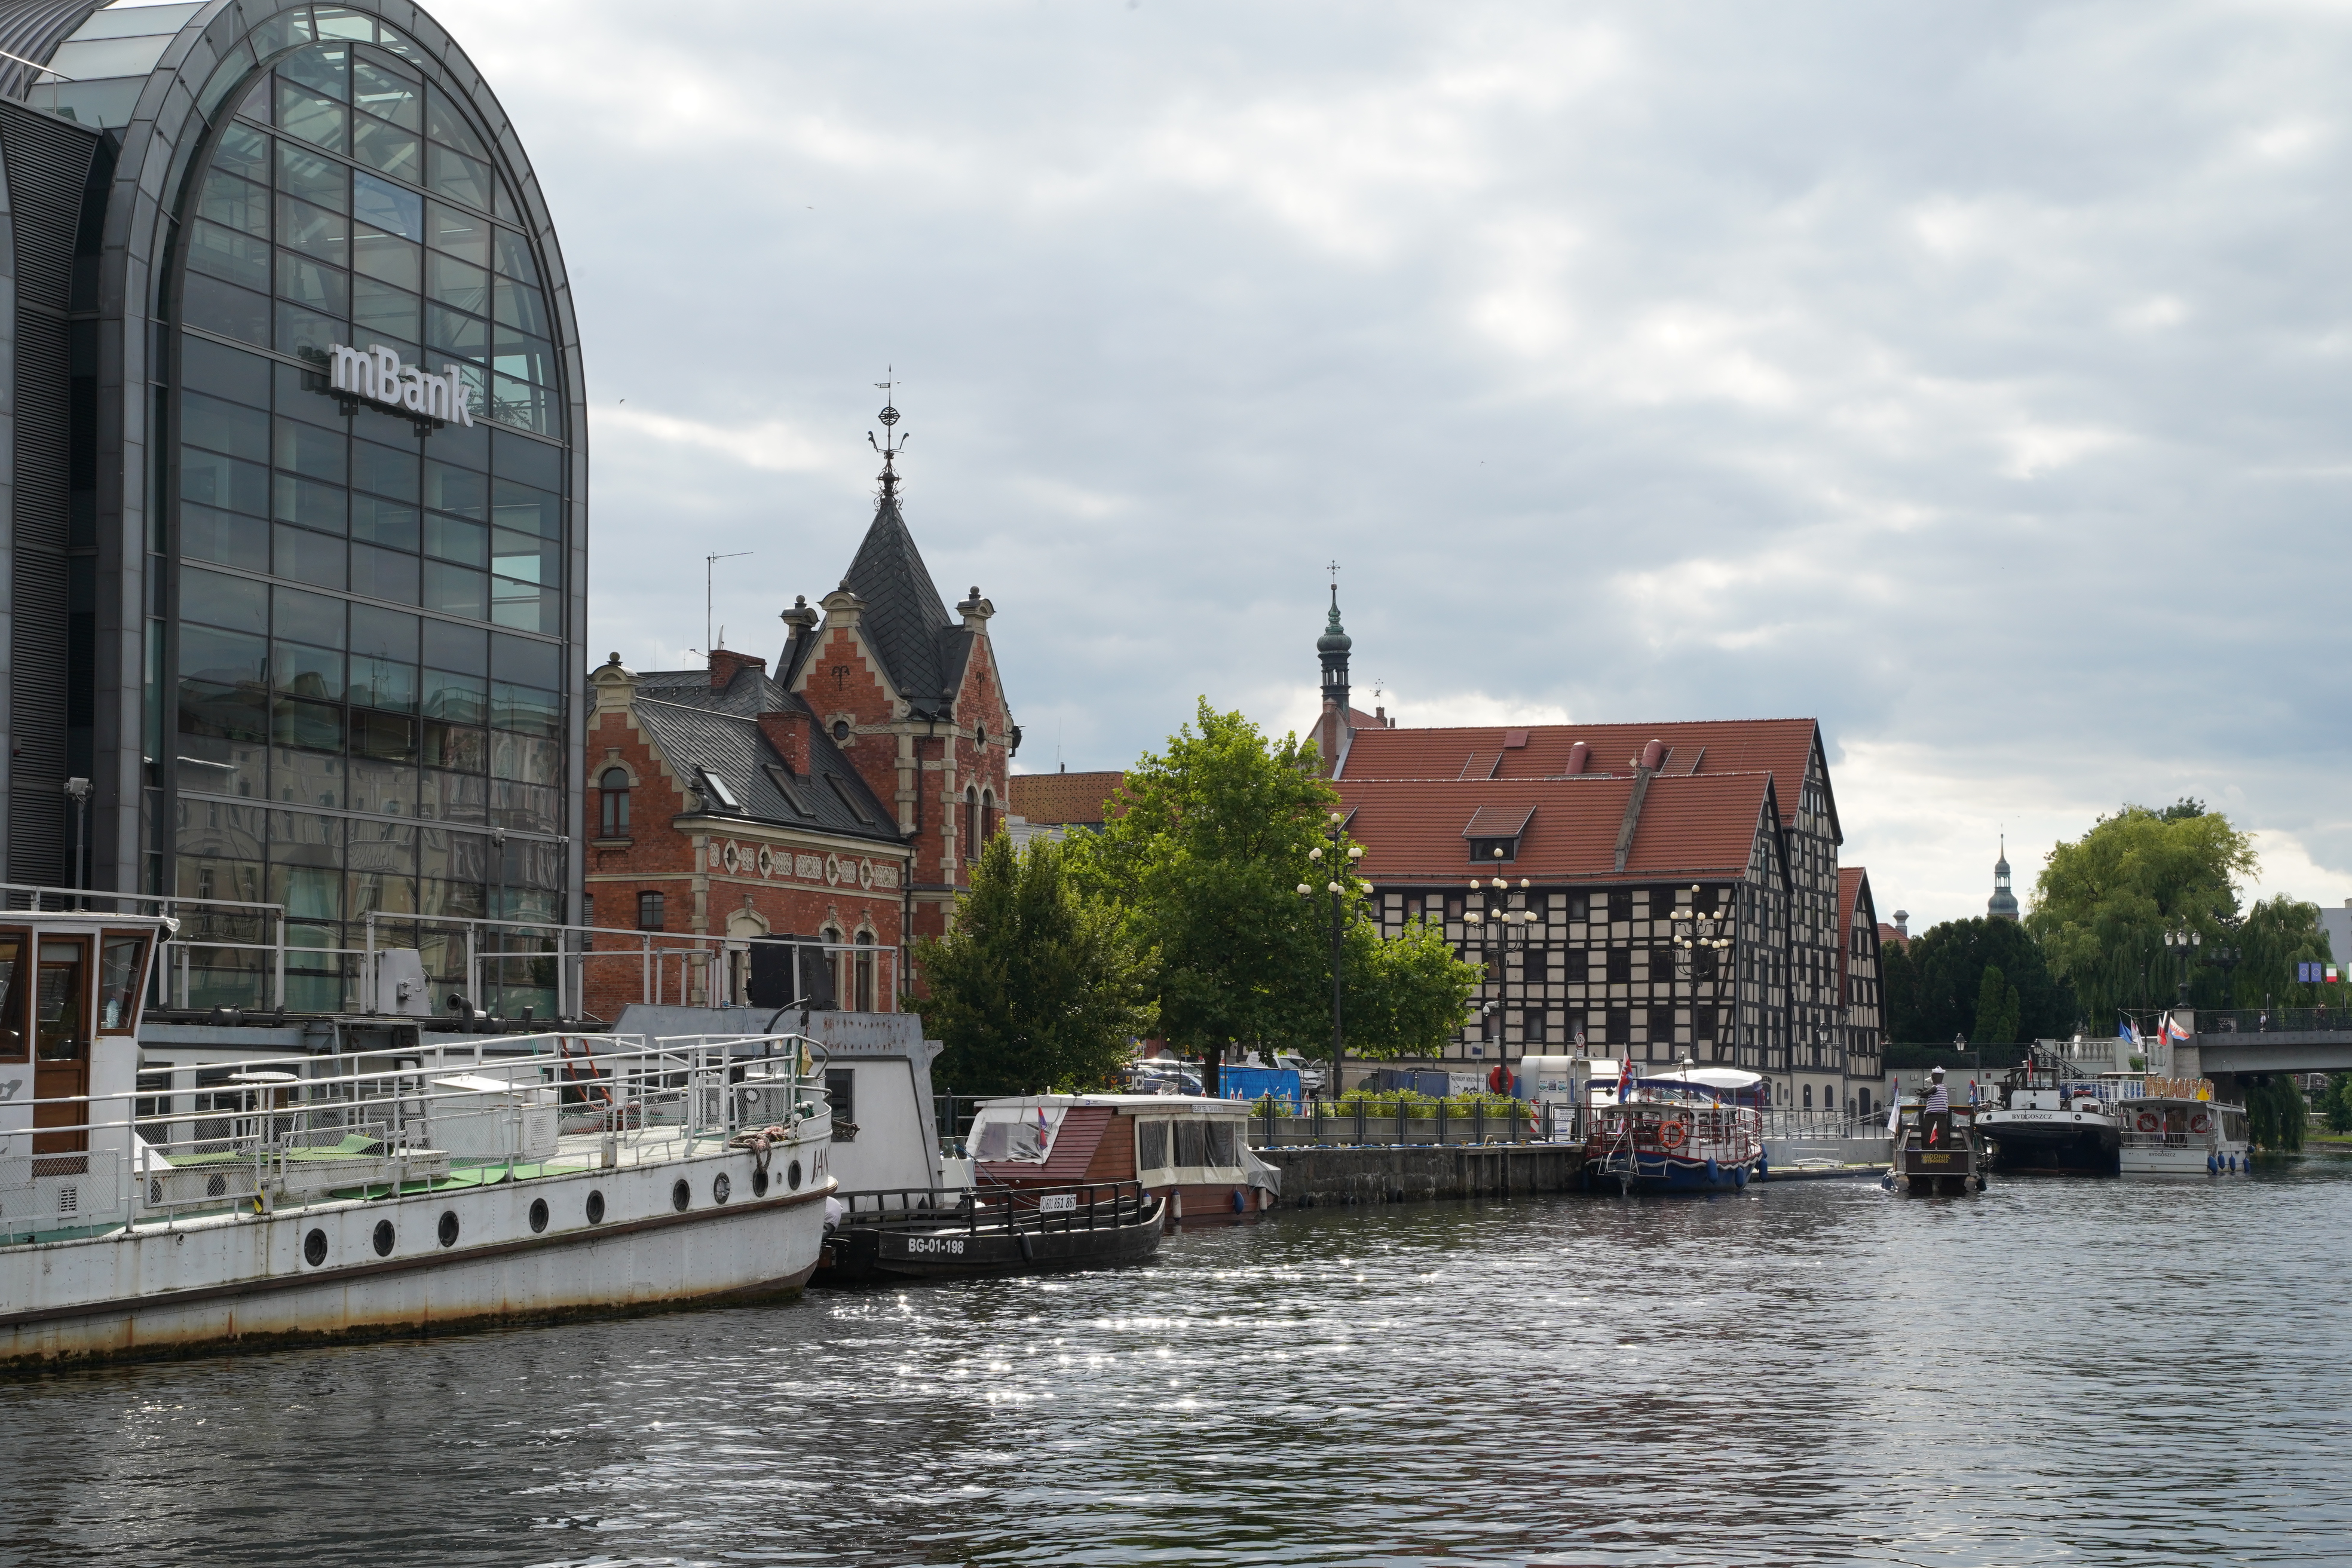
(291, 1197)
(2174, 1127)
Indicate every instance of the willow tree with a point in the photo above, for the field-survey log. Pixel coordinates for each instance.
(2104, 903)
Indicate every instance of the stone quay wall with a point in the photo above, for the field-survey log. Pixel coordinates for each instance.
(1389, 1174)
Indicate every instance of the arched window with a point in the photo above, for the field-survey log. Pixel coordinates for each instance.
(1809, 1097)
(614, 822)
(864, 991)
(972, 824)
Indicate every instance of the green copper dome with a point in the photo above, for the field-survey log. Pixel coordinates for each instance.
(1335, 639)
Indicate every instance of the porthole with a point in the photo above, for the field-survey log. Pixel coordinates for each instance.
(314, 1248)
(448, 1227)
(595, 1208)
(792, 1175)
(383, 1238)
(721, 1188)
(538, 1215)
(759, 1183)
(680, 1194)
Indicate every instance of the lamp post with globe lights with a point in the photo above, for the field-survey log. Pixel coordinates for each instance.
(1691, 932)
(1493, 925)
(1341, 862)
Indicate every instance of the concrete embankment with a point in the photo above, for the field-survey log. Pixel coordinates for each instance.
(1393, 1173)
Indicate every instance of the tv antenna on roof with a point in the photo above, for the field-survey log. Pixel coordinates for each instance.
(709, 574)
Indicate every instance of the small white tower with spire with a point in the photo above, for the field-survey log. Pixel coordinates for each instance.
(2003, 905)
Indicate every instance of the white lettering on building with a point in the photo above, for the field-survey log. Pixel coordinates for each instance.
(376, 374)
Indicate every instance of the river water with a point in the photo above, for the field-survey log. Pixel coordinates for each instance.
(2052, 1371)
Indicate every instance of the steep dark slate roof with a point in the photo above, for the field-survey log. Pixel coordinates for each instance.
(922, 648)
(697, 727)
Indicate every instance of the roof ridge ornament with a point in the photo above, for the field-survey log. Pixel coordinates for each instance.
(889, 418)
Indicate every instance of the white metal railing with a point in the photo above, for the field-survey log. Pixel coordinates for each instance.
(281, 1131)
(175, 964)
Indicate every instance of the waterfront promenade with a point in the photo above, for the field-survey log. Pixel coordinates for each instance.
(1773, 1377)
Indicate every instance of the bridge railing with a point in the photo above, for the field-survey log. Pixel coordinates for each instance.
(2274, 1020)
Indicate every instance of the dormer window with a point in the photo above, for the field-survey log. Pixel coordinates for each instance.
(1494, 833)
(1493, 851)
(716, 789)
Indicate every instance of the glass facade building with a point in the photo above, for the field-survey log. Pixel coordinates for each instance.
(312, 649)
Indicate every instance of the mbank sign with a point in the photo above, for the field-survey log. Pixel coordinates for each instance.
(376, 374)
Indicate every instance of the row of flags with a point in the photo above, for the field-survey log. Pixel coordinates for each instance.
(2172, 1030)
(2315, 973)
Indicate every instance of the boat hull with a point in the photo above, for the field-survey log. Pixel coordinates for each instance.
(1650, 1173)
(2083, 1145)
(2198, 1161)
(951, 1251)
(251, 1281)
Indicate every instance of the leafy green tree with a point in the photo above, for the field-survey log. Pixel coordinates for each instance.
(1997, 1009)
(2102, 903)
(1206, 847)
(2276, 1113)
(2335, 1104)
(1935, 989)
(2276, 936)
(1035, 988)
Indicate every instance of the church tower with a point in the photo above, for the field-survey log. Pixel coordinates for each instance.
(2003, 905)
(1332, 733)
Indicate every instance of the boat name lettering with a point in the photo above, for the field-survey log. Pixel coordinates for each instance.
(935, 1244)
(1057, 1203)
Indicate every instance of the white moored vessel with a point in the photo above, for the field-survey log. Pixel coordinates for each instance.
(2173, 1127)
(147, 1208)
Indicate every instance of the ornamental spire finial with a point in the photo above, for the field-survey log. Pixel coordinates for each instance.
(889, 418)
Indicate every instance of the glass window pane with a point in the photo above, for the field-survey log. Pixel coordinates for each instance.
(311, 726)
(314, 230)
(530, 710)
(384, 523)
(455, 538)
(462, 747)
(510, 256)
(383, 634)
(524, 662)
(506, 207)
(300, 329)
(385, 786)
(464, 649)
(527, 558)
(458, 283)
(534, 808)
(311, 504)
(306, 557)
(460, 445)
(454, 590)
(216, 306)
(460, 234)
(223, 426)
(448, 332)
(256, 105)
(386, 737)
(224, 371)
(381, 893)
(522, 507)
(459, 699)
(211, 481)
(388, 471)
(309, 893)
(318, 180)
(341, 22)
(458, 490)
(525, 359)
(383, 683)
(521, 404)
(387, 95)
(224, 713)
(225, 537)
(308, 617)
(223, 658)
(523, 607)
(307, 778)
(303, 394)
(311, 450)
(456, 900)
(227, 254)
(446, 124)
(318, 120)
(314, 283)
(523, 308)
(455, 797)
(205, 876)
(379, 311)
(388, 206)
(326, 72)
(397, 152)
(457, 176)
(387, 257)
(300, 670)
(235, 203)
(235, 602)
(384, 574)
(243, 151)
(526, 759)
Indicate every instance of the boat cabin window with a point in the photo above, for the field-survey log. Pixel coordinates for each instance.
(60, 1030)
(1010, 1133)
(122, 968)
(1150, 1146)
(12, 995)
(841, 1092)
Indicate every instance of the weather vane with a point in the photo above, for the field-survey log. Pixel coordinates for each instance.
(889, 417)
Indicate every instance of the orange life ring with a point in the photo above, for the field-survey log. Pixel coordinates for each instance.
(1671, 1134)
(2202, 1121)
(2149, 1122)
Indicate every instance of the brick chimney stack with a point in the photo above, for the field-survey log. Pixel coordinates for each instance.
(788, 732)
(726, 661)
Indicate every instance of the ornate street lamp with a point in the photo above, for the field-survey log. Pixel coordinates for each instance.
(1355, 852)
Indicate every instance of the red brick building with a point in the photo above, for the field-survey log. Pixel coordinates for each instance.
(841, 797)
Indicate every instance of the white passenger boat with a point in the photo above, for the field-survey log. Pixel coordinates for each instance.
(2173, 1127)
(148, 1209)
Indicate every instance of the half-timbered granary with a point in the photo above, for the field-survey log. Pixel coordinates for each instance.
(1666, 889)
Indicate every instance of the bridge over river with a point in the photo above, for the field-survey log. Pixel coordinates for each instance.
(2235, 1043)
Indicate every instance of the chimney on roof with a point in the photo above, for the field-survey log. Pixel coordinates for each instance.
(725, 663)
(800, 621)
(788, 732)
(1578, 756)
(1654, 756)
(1903, 923)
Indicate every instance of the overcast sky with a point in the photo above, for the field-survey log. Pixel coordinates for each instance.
(1970, 377)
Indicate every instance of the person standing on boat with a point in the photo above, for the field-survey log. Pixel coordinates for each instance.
(1935, 1113)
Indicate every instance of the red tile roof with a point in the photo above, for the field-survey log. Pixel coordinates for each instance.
(1782, 747)
(1056, 798)
(1411, 830)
